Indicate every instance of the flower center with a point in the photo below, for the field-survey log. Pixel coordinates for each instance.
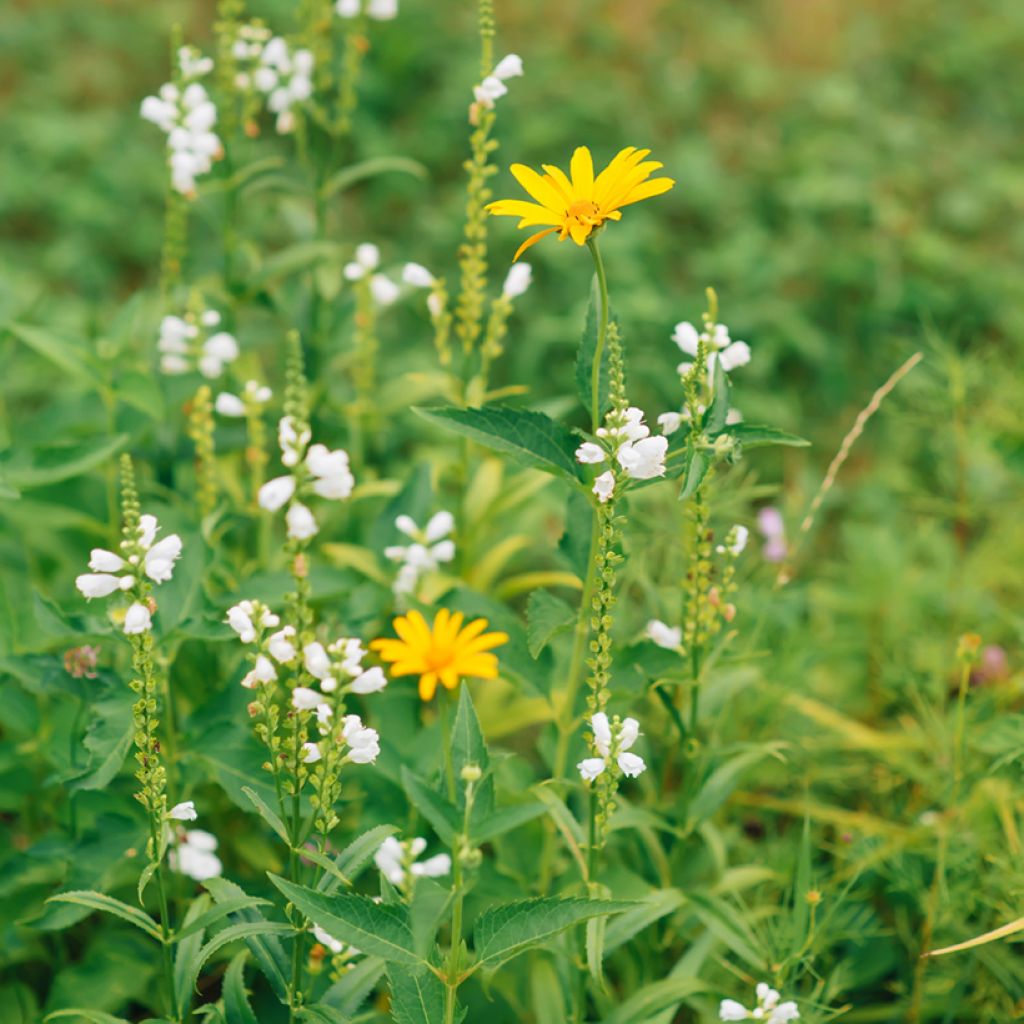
(438, 658)
(585, 211)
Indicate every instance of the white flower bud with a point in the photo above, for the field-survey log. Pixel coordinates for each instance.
(137, 619)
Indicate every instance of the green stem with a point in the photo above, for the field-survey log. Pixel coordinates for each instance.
(446, 740)
(958, 746)
(602, 331)
(165, 929)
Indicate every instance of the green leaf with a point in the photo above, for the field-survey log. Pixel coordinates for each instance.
(585, 356)
(721, 783)
(377, 929)
(100, 901)
(350, 862)
(293, 259)
(503, 932)
(236, 1000)
(61, 462)
(728, 925)
(187, 953)
(107, 740)
(653, 998)
(801, 886)
(266, 949)
(469, 748)
(71, 356)
(353, 988)
(355, 173)
(714, 420)
(232, 905)
(433, 806)
(92, 1016)
(428, 906)
(267, 814)
(533, 439)
(700, 463)
(417, 996)
(654, 906)
(754, 435)
(232, 933)
(546, 617)
(320, 1013)
(504, 820)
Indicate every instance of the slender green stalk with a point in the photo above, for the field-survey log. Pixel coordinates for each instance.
(602, 333)
(167, 963)
(958, 744)
(446, 740)
(460, 848)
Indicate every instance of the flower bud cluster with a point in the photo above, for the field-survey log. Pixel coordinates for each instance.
(493, 87)
(185, 113)
(430, 546)
(717, 343)
(269, 66)
(192, 342)
(383, 290)
(624, 439)
(611, 759)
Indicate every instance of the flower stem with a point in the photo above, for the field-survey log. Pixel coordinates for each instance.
(165, 929)
(602, 332)
(446, 740)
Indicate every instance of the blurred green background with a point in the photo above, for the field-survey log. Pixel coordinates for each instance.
(850, 181)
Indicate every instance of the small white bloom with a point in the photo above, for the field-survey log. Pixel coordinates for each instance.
(669, 637)
(739, 536)
(433, 867)
(367, 259)
(301, 522)
(101, 560)
(315, 659)
(631, 765)
(517, 280)
(509, 66)
(312, 753)
(590, 767)
(686, 336)
(280, 645)
(418, 276)
(183, 812)
(328, 940)
(602, 732)
(370, 681)
(275, 493)
(292, 441)
(383, 290)
(670, 422)
(100, 584)
(137, 619)
(604, 485)
(731, 1010)
(263, 671)
(364, 743)
(644, 459)
(347, 8)
(194, 856)
(147, 530)
(435, 305)
(305, 699)
(736, 355)
(160, 559)
(489, 90)
(241, 622)
(590, 454)
(628, 733)
(382, 10)
(229, 405)
(389, 858)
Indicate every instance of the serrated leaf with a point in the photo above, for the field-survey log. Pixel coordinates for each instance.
(377, 929)
(236, 1000)
(546, 617)
(533, 439)
(320, 1013)
(503, 932)
(754, 435)
(585, 356)
(107, 739)
(351, 175)
(109, 905)
(429, 903)
(272, 819)
(417, 996)
(356, 856)
(653, 998)
(700, 463)
(432, 805)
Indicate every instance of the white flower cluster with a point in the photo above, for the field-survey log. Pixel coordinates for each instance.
(417, 276)
(493, 86)
(362, 741)
(187, 117)
(142, 557)
(379, 10)
(367, 260)
(253, 396)
(609, 746)
(341, 664)
(283, 75)
(194, 855)
(397, 860)
(429, 548)
(768, 1010)
(626, 438)
(669, 637)
(190, 342)
(250, 619)
(735, 541)
(717, 343)
(318, 470)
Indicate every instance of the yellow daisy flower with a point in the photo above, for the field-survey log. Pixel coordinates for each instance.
(444, 652)
(575, 207)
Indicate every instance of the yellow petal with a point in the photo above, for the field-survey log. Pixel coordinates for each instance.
(561, 181)
(580, 232)
(428, 684)
(655, 187)
(543, 191)
(532, 240)
(621, 165)
(582, 170)
(531, 213)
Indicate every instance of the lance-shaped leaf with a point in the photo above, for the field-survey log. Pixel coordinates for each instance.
(378, 929)
(533, 439)
(355, 856)
(109, 905)
(754, 435)
(503, 932)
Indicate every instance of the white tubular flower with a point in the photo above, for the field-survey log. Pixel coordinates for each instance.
(275, 493)
(195, 857)
(101, 560)
(382, 10)
(292, 441)
(241, 622)
(604, 486)
(602, 733)
(383, 290)
(305, 699)
(367, 260)
(669, 637)
(729, 1009)
(784, 1012)
(280, 645)
(263, 671)
(312, 753)
(229, 405)
(631, 765)
(488, 91)
(371, 681)
(334, 479)
(347, 8)
(301, 522)
(102, 584)
(148, 527)
(328, 940)
(433, 867)
(407, 578)
(316, 661)
(417, 275)
(363, 742)
(137, 619)
(686, 336)
(590, 454)
(735, 355)
(517, 280)
(628, 733)
(160, 559)
(670, 422)
(644, 459)
(389, 858)
(183, 812)
(510, 66)
(768, 1008)
(590, 768)
(439, 525)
